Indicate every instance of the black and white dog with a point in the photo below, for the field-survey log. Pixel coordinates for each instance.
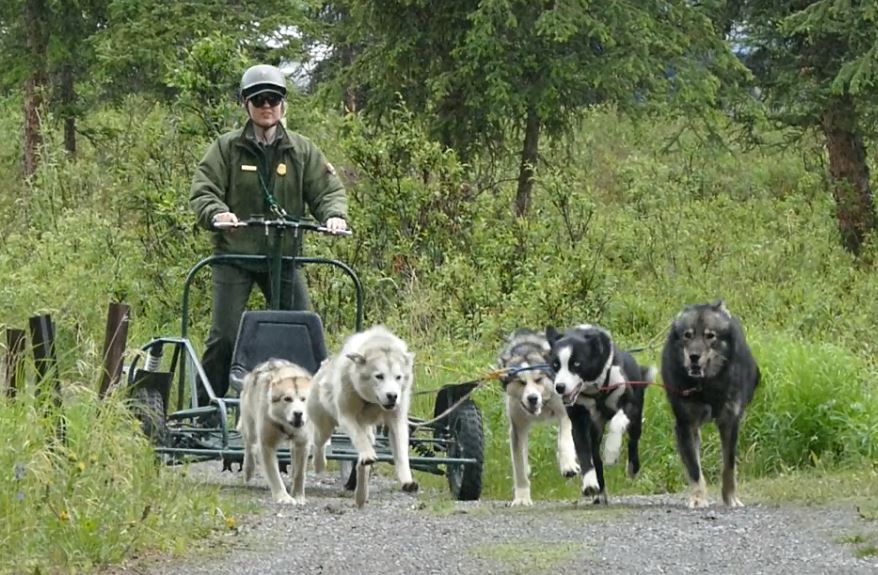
(592, 377)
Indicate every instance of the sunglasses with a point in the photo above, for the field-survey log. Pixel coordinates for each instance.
(259, 100)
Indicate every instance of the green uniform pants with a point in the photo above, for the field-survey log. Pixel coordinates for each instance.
(232, 285)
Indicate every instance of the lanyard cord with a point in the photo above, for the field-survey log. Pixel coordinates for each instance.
(269, 197)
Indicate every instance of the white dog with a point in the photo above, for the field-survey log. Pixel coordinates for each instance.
(531, 398)
(273, 409)
(368, 383)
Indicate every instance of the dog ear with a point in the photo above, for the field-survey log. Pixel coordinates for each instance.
(678, 325)
(680, 317)
(546, 351)
(357, 358)
(410, 359)
(720, 306)
(552, 334)
(545, 346)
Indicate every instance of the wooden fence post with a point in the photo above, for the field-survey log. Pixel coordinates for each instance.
(42, 332)
(13, 362)
(115, 339)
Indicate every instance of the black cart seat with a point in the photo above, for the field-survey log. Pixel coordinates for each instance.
(296, 336)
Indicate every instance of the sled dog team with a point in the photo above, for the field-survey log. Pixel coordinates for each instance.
(576, 379)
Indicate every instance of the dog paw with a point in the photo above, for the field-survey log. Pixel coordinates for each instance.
(590, 485)
(633, 469)
(600, 499)
(298, 501)
(521, 497)
(612, 448)
(367, 459)
(570, 470)
(284, 499)
(610, 456)
(613, 442)
(732, 502)
(410, 487)
(698, 502)
(524, 501)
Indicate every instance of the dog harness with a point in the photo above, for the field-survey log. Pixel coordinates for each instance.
(603, 378)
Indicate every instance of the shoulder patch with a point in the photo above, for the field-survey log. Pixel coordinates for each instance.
(330, 169)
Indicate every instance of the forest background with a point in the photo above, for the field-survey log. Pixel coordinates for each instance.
(509, 163)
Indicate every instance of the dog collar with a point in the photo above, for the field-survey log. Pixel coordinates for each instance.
(287, 430)
(600, 380)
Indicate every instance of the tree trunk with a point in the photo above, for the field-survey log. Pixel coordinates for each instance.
(855, 210)
(68, 104)
(529, 154)
(35, 13)
(33, 90)
(350, 90)
(73, 35)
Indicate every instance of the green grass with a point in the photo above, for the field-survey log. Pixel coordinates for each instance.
(528, 556)
(820, 486)
(95, 497)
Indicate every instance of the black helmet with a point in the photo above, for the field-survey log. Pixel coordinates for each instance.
(262, 78)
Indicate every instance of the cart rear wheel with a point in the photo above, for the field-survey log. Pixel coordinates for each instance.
(465, 427)
(149, 409)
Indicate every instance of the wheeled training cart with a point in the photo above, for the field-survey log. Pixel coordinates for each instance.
(452, 444)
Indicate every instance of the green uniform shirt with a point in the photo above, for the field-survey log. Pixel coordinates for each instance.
(292, 168)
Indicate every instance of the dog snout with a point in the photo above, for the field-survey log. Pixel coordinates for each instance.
(694, 358)
(391, 397)
(298, 418)
(533, 399)
(560, 388)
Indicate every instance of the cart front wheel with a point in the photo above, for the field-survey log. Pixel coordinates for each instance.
(465, 427)
(149, 409)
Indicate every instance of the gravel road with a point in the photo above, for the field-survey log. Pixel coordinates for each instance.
(397, 533)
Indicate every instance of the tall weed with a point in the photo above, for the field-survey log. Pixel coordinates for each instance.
(80, 487)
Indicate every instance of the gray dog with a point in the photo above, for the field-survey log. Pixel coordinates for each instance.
(709, 374)
(531, 398)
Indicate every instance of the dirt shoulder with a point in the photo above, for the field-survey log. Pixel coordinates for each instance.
(427, 533)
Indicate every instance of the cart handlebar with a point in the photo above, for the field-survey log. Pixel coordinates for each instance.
(280, 224)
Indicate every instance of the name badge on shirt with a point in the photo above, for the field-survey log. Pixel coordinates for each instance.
(247, 168)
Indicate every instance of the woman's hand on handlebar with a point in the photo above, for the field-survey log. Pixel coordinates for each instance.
(336, 225)
(225, 218)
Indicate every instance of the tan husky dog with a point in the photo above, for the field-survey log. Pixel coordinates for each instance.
(273, 410)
